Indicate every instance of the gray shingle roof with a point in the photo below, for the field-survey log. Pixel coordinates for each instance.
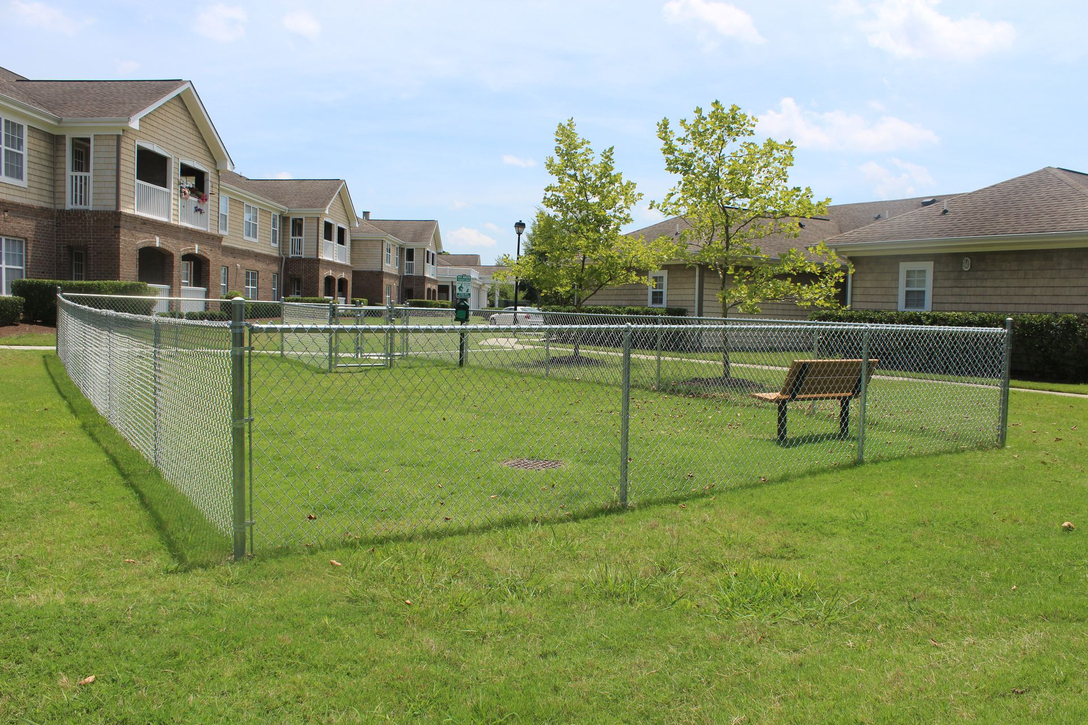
(813, 231)
(409, 231)
(87, 99)
(1047, 201)
(458, 260)
(291, 193)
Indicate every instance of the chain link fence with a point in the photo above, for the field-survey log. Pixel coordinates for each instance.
(353, 423)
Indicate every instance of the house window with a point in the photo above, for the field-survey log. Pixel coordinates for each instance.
(186, 273)
(328, 231)
(296, 286)
(658, 288)
(275, 230)
(224, 281)
(388, 294)
(388, 254)
(153, 182)
(13, 148)
(12, 262)
(251, 284)
(224, 215)
(79, 264)
(915, 286)
(275, 286)
(250, 230)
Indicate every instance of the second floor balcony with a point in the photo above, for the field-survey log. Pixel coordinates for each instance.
(193, 212)
(296, 246)
(152, 200)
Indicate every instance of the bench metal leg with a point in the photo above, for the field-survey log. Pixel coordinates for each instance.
(782, 421)
(844, 418)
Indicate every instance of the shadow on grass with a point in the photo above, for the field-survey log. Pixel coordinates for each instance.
(190, 538)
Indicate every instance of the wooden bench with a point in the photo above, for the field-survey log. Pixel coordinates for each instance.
(819, 380)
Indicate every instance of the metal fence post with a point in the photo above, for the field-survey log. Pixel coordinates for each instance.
(625, 414)
(404, 335)
(155, 384)
(658, 384)
(59, 326)
(238, 423)
(1003, 419)
(332, 333)
(863, 393)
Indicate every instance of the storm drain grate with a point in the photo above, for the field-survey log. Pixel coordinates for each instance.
(532, 464)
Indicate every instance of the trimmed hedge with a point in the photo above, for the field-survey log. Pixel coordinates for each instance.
(617, 310)
(439, 304)
(40, 296)
(11, 309)
(1048, 347)
(356, 301)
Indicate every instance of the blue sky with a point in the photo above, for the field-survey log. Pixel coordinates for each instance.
(447, 110)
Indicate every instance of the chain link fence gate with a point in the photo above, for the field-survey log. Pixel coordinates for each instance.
(345, 423)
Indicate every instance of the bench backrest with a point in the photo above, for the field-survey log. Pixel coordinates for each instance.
(824, 377)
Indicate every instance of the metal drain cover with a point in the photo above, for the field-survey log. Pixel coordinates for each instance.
(532, 464)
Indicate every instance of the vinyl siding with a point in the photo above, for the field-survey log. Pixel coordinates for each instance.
(171, 128)
(367, 254)
(104, 172)
(40, 172)
(1046, 280)
(679, 291)
(236, 229)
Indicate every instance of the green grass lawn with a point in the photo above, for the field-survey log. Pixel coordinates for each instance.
(1076, 388)
(935, 589)
(31, 339)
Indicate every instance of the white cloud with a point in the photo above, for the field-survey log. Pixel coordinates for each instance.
(515, 161)
(221, 22)
(283, 175)
(643, 214)
(126, 67)
(458, 204)
(838, 130)
(303, 23)
(465, 237)
(723, 19)
(915, 29)
(495, 228)
(40, 15)
(887, 184)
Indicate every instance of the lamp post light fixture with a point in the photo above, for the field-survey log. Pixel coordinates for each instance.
(519, 227)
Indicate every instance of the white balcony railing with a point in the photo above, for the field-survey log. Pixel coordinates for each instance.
(296, 246)
(193, 299)
(342, 253)
(431, 270)
(79, 190)
(454, 272)
(190, 215)
(328, 249)
(161, 291)
(152, 200)
(409, 267)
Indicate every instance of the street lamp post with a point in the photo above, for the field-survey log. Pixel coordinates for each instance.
(519, 227)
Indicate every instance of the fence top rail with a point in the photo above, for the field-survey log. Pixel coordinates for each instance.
(997, 332)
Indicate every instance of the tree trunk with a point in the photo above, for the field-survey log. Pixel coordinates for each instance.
(725, 329)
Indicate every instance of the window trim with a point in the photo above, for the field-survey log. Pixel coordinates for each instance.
(5, 283)
(224, 281)
(78, 264)
(664, 288)
(3, 152)
(275, 286)
(904, 267)
(256, 284)
(256, 222)
(274, 230)
(224, 211)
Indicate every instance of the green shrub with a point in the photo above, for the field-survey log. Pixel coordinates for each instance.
(40, 297)
(11, 309)
(232, 293)
(207, 316)
(308, 300)
(359, 301)
(440, 304)
(1050, 347)
(255, 309)
(618, 310)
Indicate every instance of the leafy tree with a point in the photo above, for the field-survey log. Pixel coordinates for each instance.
(575, 247)
(734, 192)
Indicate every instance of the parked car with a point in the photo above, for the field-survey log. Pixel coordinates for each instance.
(522, 316)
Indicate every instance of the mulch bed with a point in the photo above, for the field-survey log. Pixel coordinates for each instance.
(23, 329)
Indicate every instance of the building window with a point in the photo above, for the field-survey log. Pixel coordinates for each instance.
(275, 230)
(224, 215)
(250, 230)
(915, 286)
(12, 262)
(388, 254)
(79, 264)
(658, 288)
(224, 281)
(296, 286)
(251, 284)
(388, 294)
(275, 286)
(186, 273)
(328, 231)
(13, 147)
